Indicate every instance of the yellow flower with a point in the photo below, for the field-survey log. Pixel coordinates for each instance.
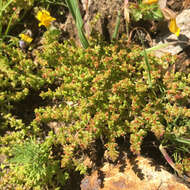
(173, 27)
(45, 18)
(25, 38)
(148, 2)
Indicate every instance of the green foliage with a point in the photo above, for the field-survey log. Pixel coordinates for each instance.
(3, 8)
(75, 11)
(13, 11)
(114, 36)
(30, 162)
(33, 165)
(146, 12)
(98, 92)
(10, 11)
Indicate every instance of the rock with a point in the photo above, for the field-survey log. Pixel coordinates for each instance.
(107, 11)
(177, 43)
(135, 174)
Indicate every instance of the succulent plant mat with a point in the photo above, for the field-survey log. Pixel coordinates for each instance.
(94, 95)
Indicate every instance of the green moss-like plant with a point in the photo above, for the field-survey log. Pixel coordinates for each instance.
(101, 92)
(32, 165)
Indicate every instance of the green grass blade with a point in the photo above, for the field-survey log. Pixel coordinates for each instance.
(71, 7)
(154, 48)
(9, 24)
(148, 67)
(146, 61)
(74, 9)
(183, 140)
(79, 24)
(3, 7)
(114, 36)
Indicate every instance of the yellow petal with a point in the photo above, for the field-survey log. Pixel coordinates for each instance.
(45, 12)
(42, 13)
(26, 38)
(148, 2)
(44, 17)
(40, 24)
(39, 15)
(173, 27)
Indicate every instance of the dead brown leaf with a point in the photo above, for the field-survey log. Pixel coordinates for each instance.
(168, 13)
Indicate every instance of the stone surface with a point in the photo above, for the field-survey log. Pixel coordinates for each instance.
(136, 174)
(177, 43)
(105, 22)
